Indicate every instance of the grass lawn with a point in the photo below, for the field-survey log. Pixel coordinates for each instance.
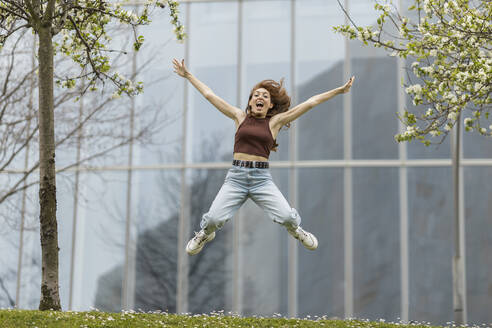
(26, 318)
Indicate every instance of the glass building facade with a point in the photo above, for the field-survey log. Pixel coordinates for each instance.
(382, 211)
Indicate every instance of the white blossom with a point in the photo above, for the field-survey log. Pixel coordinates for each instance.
(416, 88)
(428, 69)
(452, 116)
(434, 133)
(446, 7)
(411, 131)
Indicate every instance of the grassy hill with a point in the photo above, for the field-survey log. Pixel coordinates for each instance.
(26, 318)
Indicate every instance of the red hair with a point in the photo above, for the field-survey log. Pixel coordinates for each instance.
(279, 98)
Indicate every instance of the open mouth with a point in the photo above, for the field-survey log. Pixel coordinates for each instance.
(259, 105)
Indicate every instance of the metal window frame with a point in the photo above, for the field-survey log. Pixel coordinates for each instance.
(183, 232)
(347, 186)
(292, 247)
(397, 163)
(237, 292)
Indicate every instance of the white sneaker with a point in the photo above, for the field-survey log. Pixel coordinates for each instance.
(196, 243)
(307, 239)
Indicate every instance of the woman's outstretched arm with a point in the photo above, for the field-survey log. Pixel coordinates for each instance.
(227, 109)
(294, 113)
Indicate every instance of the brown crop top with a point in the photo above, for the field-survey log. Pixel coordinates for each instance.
(254, 137)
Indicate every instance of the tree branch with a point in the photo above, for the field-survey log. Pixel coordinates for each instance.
(16, 187)
(13, 5)
(50, 9)
(87, 47)
(347, 15)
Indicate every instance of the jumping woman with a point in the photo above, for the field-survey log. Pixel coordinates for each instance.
(256, 131)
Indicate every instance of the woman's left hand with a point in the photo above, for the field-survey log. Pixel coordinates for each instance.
(346, 87)
(180, 68)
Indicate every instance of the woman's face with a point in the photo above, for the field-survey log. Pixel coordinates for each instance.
(260, 102)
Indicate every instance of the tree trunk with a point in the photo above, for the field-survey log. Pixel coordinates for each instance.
(50, 298)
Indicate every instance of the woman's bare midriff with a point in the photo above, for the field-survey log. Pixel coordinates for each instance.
(248, 157)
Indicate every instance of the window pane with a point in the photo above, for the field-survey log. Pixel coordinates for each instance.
(10, 223)
(476, 145)
(213, 59)
(376, 243)
(267, 57)
(160, 108)
(155, 207)
(9, 243)
(374, 94)
(319, 69)
(100, 252)
(65, 183)
(478, 229)
(30, 287)
(19, 100)
(321, 273)
(430, 203)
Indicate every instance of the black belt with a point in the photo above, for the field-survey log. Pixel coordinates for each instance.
(250, 164)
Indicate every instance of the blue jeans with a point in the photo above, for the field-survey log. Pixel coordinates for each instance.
(257, 184)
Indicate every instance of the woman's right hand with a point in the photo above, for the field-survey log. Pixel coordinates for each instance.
(180, 68)
(346, 87)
